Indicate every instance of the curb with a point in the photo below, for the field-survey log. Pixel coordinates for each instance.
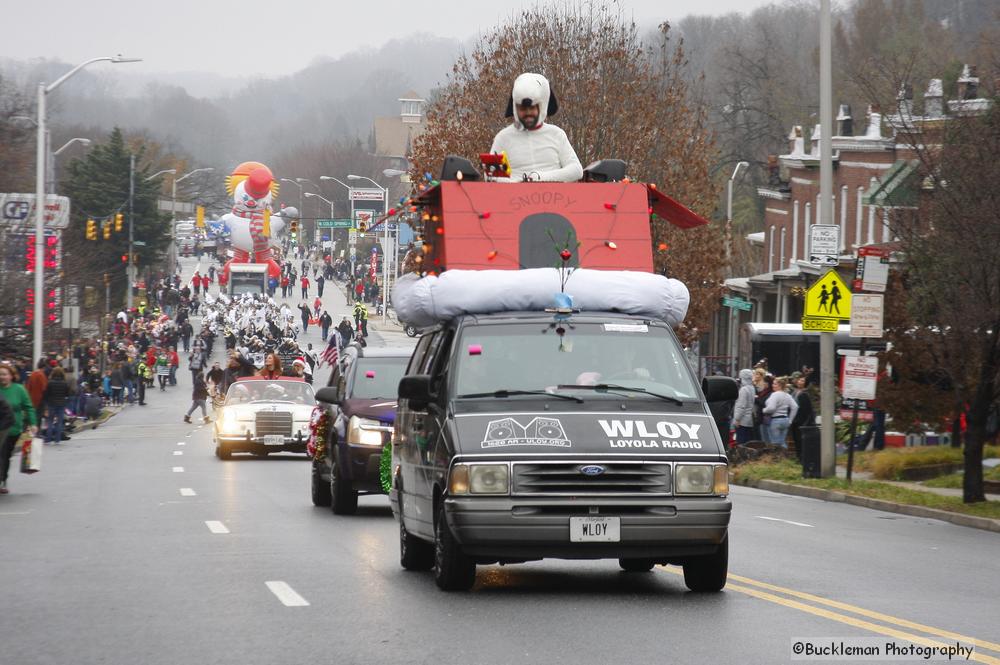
(959, 519)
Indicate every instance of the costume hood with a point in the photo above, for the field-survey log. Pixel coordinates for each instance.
(535, 89)
(746, 377)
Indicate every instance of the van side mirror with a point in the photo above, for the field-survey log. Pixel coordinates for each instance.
(327, 395)
(417, 389)
(720, 388)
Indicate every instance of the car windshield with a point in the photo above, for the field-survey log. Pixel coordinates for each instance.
(536, 357)
(378, 378)
(249, 392)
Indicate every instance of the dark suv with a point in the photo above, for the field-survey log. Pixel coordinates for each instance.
(522, 436)
(361, 400)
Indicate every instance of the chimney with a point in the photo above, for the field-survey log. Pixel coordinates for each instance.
(795, 137)
(814, 139)
(934, 99)
(845, 123)
(773, 171)
(874, 130)
(904, 101)
(968, 83)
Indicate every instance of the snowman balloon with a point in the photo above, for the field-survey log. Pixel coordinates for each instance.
(253, 230)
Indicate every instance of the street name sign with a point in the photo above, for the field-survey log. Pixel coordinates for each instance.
(828, 298)
(71, 317)
(334, 223)
(824, 244)
(737, 303)
(860, 377)
(872, 273)
(867, 315)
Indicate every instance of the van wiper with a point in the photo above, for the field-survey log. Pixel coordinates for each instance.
(605, 387)
(509, 393)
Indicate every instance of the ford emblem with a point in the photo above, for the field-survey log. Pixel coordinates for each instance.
(592, 470)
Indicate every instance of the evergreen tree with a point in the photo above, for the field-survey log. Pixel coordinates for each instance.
(98, 188)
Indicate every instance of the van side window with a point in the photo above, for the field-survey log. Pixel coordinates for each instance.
(334, 376)
(427, 362)
(418, 354)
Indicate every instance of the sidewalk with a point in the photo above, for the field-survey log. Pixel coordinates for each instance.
(941, 491)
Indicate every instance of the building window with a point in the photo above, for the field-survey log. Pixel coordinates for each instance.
(843, 218)
(781, 261)
(770, 251)
(858, 220)
(795, 230)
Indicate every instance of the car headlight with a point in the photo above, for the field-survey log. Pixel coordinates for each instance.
(230, 423)
(365, 432)
(479, 479)
(711, 479)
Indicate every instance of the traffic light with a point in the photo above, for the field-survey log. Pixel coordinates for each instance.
(125, 259)
(107, 229)
(91, 230)
(294, 227)
(362, 226)
(119, 220)
(199, 216)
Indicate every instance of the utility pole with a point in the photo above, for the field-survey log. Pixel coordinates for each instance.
(130, 266)
(828, 457)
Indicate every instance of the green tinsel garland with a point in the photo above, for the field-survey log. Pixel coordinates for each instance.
(385, 467)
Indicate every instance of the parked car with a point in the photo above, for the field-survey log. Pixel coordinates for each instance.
(361, 400)
(262, 416)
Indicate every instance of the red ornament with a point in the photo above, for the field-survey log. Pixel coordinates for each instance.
(485, 215)
(610, 206)
(491, 255)
(565, 255)
(439, 230)
(392, 211)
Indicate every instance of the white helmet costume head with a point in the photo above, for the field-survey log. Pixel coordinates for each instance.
(532, 90)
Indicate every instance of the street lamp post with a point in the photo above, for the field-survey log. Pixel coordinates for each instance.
(734, 314)
(173, 214)
(386, 251)
(308, 181)
(52, 160)
(350, 191)
(41, 145)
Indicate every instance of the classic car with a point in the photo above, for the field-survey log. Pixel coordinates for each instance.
(262, 416)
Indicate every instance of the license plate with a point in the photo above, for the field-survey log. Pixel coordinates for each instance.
(274, 440)
(595, 529)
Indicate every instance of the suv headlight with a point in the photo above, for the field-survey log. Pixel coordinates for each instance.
(365, 432)
(479, 479)
(707, 479)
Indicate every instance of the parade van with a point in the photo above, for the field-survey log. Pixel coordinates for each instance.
(550, 412)
(247, 278)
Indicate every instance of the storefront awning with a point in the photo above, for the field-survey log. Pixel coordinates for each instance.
(897, 188)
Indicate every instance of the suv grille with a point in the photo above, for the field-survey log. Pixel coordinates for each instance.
(274, 422)
(618, 478)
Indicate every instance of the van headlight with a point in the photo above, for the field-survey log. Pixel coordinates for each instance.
(479, 479)
(708, 479)
(366, 432)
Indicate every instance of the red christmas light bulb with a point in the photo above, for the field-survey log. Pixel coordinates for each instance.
(565, 255)
(439, 230)
(485, 215)
(610, 244)
(492, 254)
(610, 206)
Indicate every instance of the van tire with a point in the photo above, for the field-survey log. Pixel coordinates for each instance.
(321, 495)
(343, 497)
(414, 553)
(453, 570)
(636, 565)
(708, 572)
(222, 451)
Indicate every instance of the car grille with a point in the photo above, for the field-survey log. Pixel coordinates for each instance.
(274, 422)
(619, 478)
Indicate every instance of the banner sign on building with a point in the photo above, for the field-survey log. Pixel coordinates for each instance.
(18, 210)
(366, 194)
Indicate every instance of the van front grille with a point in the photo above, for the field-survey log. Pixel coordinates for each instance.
(568, 478)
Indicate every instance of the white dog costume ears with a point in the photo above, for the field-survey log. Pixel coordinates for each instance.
(532, 89)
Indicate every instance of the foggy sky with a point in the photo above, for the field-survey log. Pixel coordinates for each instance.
(267, 38)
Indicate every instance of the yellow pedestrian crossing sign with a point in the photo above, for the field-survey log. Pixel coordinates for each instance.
(828, 298)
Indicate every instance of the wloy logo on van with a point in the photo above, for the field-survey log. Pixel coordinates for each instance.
(661, 434)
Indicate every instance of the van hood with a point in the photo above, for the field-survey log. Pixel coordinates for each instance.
(535, 433)
(381, 409)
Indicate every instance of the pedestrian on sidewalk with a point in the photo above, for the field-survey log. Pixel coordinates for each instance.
(143, 377)
(806, 415)
(35, 385)
(320, 281)
(743, 409)
(24, 418)
(175, 362)
(325, 322)
(781, 408)
(162, 370)
(361, 318)
(198, 396)
(56, 395)
(117, 384)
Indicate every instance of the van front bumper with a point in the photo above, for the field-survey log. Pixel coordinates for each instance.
(666, 530)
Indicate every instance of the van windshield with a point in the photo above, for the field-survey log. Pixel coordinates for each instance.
(535, 357)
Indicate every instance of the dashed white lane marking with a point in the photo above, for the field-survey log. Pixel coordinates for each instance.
(187, 491)
(286, 594)
(216, 527)
(18, 512)
(777, 519)
(181, 443)
(178, 469)
(178, 452)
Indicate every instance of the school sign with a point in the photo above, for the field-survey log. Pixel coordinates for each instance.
(828, 301)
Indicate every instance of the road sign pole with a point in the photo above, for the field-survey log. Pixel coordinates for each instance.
(828, 458)
(854, 422)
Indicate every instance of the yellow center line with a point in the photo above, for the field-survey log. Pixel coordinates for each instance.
(852, 621)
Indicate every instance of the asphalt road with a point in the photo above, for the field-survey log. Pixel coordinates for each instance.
(136, 545)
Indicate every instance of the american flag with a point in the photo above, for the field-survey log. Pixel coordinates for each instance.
(331, 353)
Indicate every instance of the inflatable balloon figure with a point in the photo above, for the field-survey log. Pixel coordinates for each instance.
(253, 230)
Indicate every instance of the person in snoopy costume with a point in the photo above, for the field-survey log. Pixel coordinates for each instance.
(536, 150)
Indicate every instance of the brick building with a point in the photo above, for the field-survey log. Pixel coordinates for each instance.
(875, 175)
